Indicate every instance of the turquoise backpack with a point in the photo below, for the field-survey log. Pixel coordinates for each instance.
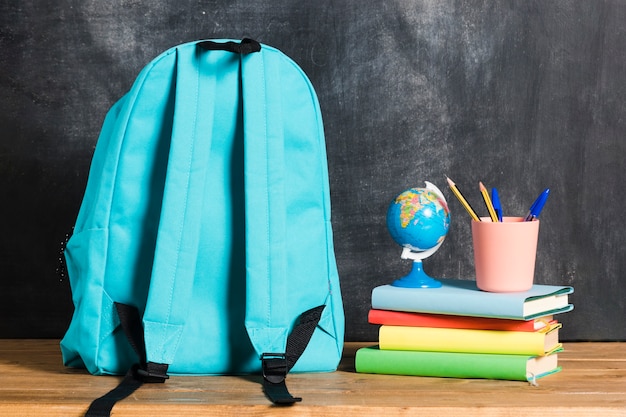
(203, 244)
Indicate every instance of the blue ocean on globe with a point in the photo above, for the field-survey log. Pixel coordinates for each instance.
(418, 219)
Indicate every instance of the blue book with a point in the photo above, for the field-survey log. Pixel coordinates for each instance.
(463, 298)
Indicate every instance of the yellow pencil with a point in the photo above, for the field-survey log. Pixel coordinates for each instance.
(488, 203)
(462, 199)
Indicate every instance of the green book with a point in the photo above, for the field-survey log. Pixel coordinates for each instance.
(373, 360)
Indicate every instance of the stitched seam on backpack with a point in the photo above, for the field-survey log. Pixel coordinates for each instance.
(263, 85)
(186, 203)
(131, 110)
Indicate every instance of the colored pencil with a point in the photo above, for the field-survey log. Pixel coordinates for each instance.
(462, 199)
(488, 203)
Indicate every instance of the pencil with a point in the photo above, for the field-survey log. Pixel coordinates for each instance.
(488, 203)
(462, 199)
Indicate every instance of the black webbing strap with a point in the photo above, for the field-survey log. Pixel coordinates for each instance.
(138, 374)
(102, 406)
(277, 365)
(246, 46)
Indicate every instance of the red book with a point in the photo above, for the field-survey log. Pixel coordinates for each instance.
(401, 318)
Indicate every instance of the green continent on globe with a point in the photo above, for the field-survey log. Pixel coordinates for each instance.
(418, 219)
(412, 202)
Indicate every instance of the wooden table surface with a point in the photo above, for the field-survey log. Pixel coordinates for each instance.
(33, 382)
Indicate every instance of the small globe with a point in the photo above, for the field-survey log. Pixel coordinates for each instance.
(418, 219)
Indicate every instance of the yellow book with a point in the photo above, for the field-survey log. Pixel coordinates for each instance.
(540, 343)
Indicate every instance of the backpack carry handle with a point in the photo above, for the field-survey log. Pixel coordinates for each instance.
(246, 46)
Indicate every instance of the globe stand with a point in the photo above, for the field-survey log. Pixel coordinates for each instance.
(417, 278)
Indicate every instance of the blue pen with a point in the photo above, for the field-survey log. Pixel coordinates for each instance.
(537, 206)
(497, 206)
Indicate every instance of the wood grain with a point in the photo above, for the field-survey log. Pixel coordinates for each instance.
(34, 382)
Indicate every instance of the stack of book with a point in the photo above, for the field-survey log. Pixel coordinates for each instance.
(460, 331)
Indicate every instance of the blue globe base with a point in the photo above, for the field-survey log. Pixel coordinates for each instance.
(417, 278)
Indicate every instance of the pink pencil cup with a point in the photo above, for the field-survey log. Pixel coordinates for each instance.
(505, 253)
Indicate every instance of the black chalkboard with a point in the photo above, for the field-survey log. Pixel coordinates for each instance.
(519, 95)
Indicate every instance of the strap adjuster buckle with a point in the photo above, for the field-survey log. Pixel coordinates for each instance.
(152, 373)
(274, 367)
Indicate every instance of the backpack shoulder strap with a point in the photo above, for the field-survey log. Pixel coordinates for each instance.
(264, 207)
(178, 235)
(266, 260)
